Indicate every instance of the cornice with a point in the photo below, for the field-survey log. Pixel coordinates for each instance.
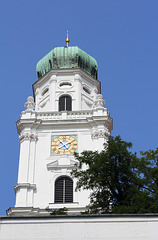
(22, 123)
(43, 216)
(75, 118)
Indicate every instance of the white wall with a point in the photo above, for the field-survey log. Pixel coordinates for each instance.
(80, 228)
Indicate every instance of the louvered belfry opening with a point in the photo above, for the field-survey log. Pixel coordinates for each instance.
(63, 190)
(65, 103)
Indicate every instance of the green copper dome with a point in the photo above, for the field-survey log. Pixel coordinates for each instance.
(67, 57)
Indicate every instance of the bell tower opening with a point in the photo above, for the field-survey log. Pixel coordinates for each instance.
(65, 103)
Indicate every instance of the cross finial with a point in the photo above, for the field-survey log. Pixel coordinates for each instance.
(67, 40)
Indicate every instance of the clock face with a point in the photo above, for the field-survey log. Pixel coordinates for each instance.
(63, 144)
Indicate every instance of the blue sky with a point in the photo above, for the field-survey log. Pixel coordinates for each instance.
(122, 35)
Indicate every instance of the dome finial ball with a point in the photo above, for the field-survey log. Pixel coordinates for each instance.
(67, 40)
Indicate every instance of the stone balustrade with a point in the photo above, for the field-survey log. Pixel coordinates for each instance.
(64, 115)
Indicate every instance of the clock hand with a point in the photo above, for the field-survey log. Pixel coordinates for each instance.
(68, 143)
(60, 142)
(71, 141)
(63, 144)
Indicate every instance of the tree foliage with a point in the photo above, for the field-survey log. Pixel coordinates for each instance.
(119, 181)
(59, 211)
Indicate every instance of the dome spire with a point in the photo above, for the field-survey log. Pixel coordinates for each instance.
(67, 40)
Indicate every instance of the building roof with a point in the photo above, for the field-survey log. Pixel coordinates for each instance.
(67, 58)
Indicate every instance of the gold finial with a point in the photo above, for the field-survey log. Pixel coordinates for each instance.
(67, 40)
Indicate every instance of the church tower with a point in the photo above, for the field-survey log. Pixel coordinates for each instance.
(66, 115)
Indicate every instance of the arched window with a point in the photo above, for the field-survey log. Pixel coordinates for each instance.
(65, 103)
(63, 190)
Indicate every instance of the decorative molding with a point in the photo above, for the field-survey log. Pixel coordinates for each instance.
(37, 91)
(73, 208)
(44, 100)
(52, 78)
(88, 100)
(59, 163)
(24, 185)
(30, 105)
(25, 211)
(68, 115)
(28, 136)
(96, 91)
(77, 77)
(102, 133)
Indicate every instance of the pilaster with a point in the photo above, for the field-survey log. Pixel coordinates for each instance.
(78, 84)
(36, 99)
(24, 188)
(53, 80)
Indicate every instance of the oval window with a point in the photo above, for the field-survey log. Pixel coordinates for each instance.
(65, 84)
(45, 91)
(86, 90)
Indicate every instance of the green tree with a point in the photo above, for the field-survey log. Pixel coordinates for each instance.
(118, 179)
(60, 211)
(147, 172)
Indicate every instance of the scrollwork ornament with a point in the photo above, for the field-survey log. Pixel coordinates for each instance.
(28, 136)
(99, 102)
(30, 105)
(99, 133)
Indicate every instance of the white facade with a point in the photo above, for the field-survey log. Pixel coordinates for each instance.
(111, 227)
(88, 123)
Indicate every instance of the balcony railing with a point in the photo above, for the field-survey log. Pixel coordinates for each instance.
(64, 115)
